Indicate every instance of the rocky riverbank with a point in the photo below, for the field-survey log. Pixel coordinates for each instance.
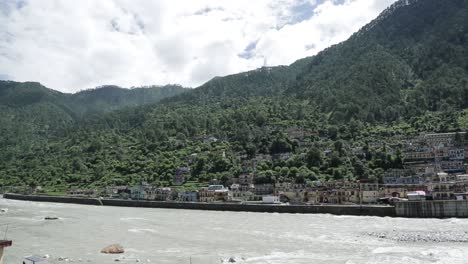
(429, 236)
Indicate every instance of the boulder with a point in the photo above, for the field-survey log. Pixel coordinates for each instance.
(113, 249)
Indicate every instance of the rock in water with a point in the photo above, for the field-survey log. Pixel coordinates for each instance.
(232, 260)
(113, 249)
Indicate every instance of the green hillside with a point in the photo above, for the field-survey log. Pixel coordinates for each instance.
(411, 59)
(337, 115)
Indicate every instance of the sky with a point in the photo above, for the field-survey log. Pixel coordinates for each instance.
(73, 45)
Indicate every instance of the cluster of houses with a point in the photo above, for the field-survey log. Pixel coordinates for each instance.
(434, 168)
(435, 164)
(334, 192)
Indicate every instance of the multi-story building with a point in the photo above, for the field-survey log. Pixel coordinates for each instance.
(400, 190)
(426, 169)
(205, 195)
(392, 176)
(334, 196)
(293, 193)
(188, 196)
(443, 190)
(452, 166)
(419, 155)
(369, 193)
(263, 189)
(245, 179)
(214, 193)
(242, 192)
(160, 194)
(442, 139)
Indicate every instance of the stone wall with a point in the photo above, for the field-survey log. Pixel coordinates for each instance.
(432, 209)
(52, 199)
(356, 210)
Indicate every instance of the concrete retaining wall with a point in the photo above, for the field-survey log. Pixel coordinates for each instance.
(52, 199)
(261, 208)
(432, 209)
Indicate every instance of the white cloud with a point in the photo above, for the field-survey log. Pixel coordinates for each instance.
(72, 45)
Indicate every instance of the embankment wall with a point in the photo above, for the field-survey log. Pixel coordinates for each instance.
(365, 210)
(432, 209)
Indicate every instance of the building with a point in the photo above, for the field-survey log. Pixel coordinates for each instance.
(426, 169)
(453, 166)
(400, 190)
(393, 176)
(245, 179)
(214, 193)
(456, 154)
(270, 199)
(242, 192)
(417, 196)
(443, 190)
(188, 196)
(205, 195)
(369, 193)
(442, 139)
(180, 176)
(138, 193)
(160, 194)
(419, 155)
(118, 192)
(263, 189)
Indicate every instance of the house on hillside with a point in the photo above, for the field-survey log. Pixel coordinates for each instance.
(180, 176)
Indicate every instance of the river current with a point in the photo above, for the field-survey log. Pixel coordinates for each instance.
(204, 237)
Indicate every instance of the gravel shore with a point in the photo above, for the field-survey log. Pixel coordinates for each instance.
(430, 236)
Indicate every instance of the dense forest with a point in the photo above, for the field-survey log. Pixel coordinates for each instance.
(337, 115)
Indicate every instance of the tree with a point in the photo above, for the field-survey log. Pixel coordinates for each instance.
(314, 157)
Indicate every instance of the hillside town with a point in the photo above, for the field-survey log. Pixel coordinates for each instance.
(433, 169)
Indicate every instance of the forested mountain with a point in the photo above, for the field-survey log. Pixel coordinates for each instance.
(32, 112)
(111, 98)
(411, 59)
(265, 82)
(331, 116)
(98, 100)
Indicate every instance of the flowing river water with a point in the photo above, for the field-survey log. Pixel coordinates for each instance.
(205, 237)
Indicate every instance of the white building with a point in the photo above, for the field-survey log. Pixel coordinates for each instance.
(270, 199)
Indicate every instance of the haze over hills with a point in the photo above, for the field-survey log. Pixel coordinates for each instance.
(31, 111)
(101, 99)
(404, 73)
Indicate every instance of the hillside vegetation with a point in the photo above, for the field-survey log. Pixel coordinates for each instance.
(339, 115)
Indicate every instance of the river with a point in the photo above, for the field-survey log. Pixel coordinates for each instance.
(204, 237)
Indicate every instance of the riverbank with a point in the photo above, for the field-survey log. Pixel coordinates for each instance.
(355, 210)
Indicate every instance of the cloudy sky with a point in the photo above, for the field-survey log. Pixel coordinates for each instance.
(72, 45)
